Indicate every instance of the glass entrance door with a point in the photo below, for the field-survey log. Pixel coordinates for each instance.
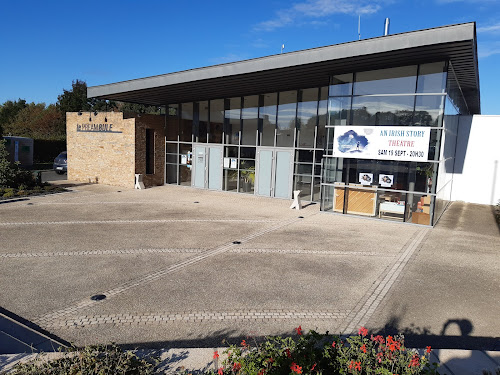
(274, 173)
(207, 167)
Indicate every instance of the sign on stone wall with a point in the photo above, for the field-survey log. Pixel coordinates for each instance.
(404, 143)
(96, 128)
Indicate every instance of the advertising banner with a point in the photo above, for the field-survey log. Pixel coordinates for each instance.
(404, 143)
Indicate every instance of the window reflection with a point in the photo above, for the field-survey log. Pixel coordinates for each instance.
(382, 110)
(429, 110)
(232, 120)
(432, 78)
(268, 118)
(249, 116)
(401, 80)
(307, 117)
(216, 120)
(287, 109)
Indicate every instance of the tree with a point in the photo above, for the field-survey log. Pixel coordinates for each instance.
(8, 112)
(38, 122)
(75, 99)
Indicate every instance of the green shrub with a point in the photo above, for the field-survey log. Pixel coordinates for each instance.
(8, 194)
(100, 359)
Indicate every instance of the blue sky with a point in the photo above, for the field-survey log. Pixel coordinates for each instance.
(47, 44)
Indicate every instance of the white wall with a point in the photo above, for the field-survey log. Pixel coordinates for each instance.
(477, 160)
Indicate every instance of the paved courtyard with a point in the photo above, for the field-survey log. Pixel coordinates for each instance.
(185, 267)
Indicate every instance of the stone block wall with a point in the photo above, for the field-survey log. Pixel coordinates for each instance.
(101, 148)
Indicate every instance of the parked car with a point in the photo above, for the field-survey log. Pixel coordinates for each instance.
(61, 163)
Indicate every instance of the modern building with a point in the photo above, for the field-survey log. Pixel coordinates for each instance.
(366, 128)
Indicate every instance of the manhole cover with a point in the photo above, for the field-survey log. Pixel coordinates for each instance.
(98, 297)
(237, 242)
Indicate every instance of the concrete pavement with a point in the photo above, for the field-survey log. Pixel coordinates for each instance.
(174, 278)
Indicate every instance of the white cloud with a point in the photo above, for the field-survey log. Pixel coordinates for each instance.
(489, 29)
(318, 9)
(487, 49)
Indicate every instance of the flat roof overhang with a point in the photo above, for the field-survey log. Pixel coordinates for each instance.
(309, 68)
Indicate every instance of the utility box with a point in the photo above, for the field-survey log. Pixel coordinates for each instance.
(20, 149)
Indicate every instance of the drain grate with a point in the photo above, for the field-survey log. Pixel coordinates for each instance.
(237, 242)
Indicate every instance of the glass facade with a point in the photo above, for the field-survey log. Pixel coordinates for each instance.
(294, 120)
(304, 121)
(407, 191)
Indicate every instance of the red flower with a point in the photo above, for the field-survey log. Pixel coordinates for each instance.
(220, 372)
(296, 368)
(313, 367)
(363, 331)
(380, 355)
(299, 330)
(415, 361)
(243, 343)
(236, 366)
(363, 348)
(261, 372)
(428, 350)
(270, 360)
(288, 354)
(216, 354)
(333, 344)
(393, 344)
(378, 338)
(356, 365)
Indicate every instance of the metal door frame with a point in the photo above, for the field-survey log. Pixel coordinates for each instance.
(273, 169)
(207, 147)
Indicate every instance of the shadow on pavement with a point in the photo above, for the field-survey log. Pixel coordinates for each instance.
(18, 335)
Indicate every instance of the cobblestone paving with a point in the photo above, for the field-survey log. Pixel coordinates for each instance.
(196, 317)
(189, 251)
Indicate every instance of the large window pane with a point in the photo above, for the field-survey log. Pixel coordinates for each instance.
(429, 110)
(382, 110)
(341, 85)
(216, 120)
(401, 80)
(322, 118)
(432, 78)
(250, 119)
(233, 115)
(287, 110)
(201, 135)
(171, 174)
(186, 122)
(268, 117)
(303, 183)
(340, 110)
(172, 122)
(307, 117)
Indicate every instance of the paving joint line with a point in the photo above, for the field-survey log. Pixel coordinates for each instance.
(190, 251)
(360, 316)
(46, 318)
(138, 221)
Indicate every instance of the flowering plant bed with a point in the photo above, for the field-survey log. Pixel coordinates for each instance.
(314, 353)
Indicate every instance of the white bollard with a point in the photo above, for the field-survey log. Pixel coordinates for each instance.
(296, 200)
(138, 182)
